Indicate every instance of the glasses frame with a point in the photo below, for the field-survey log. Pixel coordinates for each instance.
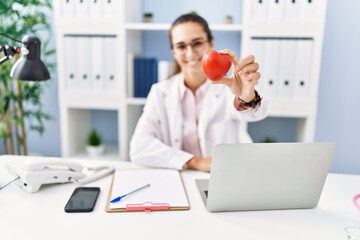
(193, 45)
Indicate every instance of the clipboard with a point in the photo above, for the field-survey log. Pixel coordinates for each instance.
(166, 191)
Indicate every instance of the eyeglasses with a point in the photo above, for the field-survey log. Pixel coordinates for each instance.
(197, 46)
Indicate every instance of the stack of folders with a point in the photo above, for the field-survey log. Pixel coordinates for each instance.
(285, 66)
(283, 10)
(86, 9)
(90, 64)
(145, 75)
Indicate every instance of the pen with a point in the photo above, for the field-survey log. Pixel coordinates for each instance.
(133, 191)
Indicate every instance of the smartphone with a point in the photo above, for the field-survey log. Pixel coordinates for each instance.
(83, 199)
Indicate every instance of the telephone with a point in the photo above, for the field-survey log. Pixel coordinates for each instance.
(36, 171)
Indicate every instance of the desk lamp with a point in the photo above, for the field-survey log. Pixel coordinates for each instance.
(29, 66)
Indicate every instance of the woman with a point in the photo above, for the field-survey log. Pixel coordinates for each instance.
(187, 115)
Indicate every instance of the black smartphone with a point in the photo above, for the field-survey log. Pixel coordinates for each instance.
(83, 199)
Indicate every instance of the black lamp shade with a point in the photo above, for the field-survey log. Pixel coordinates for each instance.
(29, 66)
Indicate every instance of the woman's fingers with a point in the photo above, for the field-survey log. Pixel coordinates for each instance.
(225, 80)
(250, 68)
(245, 62)
(238, 64)
(252, 77)
(244, 76)
(234, 58)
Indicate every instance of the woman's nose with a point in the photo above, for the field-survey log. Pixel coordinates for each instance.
(189, 51)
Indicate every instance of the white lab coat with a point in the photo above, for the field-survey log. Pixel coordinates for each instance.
(157, 139)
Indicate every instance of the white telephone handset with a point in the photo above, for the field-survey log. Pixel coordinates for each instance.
(36, 171)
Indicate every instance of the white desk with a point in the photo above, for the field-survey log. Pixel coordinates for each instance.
(41, 215)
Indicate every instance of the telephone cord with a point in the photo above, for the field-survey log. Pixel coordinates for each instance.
(9, 183)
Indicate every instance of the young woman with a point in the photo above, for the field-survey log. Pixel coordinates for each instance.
(187, 115)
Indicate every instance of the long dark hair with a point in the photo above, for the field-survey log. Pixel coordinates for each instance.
(185, 18)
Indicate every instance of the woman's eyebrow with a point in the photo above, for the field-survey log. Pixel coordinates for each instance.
(193, 40)
(196, 39)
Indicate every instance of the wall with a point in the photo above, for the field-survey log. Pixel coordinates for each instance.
(339, 84)
(338, 114)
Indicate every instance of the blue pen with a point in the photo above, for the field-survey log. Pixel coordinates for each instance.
(120, 197)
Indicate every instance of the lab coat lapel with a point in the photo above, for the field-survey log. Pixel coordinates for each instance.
(173, 110)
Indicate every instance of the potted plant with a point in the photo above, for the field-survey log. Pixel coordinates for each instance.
(21, 108)
(193, 12)
(269, 139)
(229, 19)
(148, 17)
(95, 145)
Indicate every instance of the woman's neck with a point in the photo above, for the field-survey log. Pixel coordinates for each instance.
(194, 80)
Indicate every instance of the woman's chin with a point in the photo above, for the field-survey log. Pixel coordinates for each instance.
(194, 71)
(193, 67)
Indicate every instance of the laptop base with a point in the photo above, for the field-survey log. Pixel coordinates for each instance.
(203, 187)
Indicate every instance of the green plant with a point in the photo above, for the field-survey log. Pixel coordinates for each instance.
(147, 17)
(20, 101)
(148, 14)
(94, 138)
(268, 139)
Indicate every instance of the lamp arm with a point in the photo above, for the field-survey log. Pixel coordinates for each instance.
(14, 39)
(4, 59)
(9, 52)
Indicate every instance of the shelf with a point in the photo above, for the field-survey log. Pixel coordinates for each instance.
(91, 101)
(111, 153)
(166, 27)
(271, 29)
(285, 108)
(136, 101)
(84, 27)
(148, 26)
(226, 27)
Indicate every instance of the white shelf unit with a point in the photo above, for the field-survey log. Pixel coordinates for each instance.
(290, 20)
(124, 23)
(72, 19)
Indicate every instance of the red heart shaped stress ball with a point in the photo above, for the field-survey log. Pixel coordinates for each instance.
(215, 65)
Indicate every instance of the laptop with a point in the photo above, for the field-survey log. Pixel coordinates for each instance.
(266, 176)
